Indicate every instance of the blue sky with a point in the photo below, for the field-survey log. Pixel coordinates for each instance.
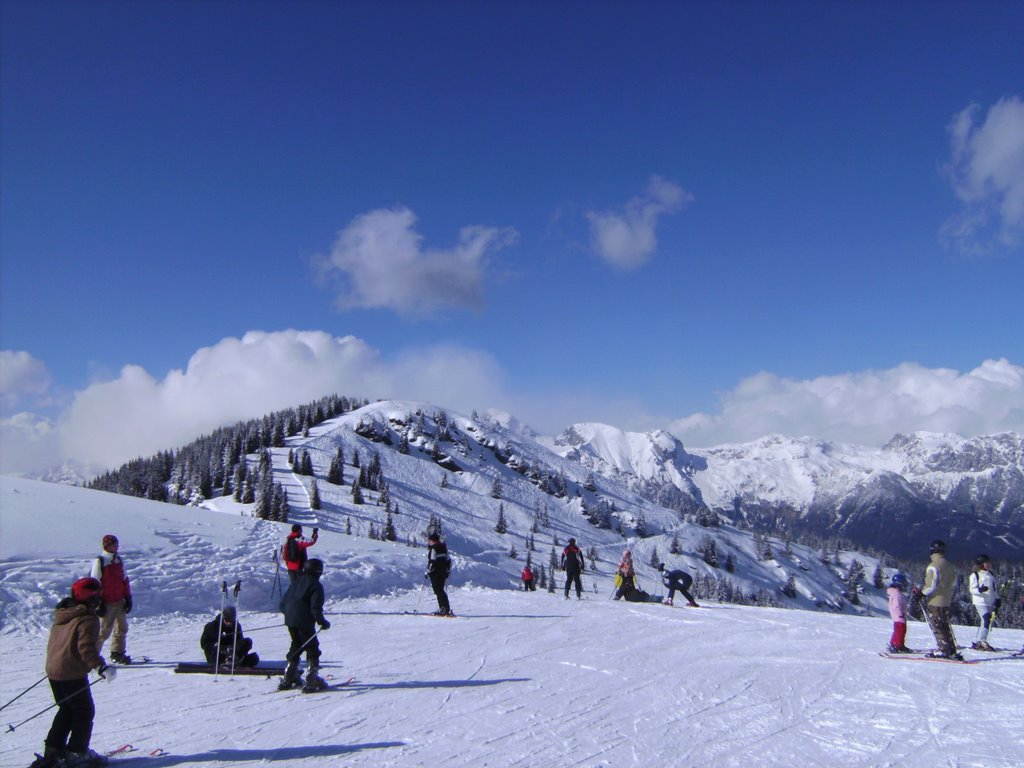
(717, 218)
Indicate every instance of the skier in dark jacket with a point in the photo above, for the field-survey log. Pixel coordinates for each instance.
(572, 562)
(72, 650)
(224, 635)
(677, 581)
(303, 609)
(439, 566)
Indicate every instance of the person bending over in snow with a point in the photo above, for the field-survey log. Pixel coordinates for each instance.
(224, 635)
(439, 566)
(939, 580)
(72, 650)
(677, 581)
(303, 609)
(985, 599)
(898, 613)
(108, 569)
(625, 576)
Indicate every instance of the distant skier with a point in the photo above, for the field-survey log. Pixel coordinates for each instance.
(677, 581)
(303, 609)
(625, 576)
(224, 635)
(985, 599)
(939, 580)
(528, 581)
(572, 562)
(439, 567)
(108, 569)
(898, 613)
(71, 652)
(293, 552)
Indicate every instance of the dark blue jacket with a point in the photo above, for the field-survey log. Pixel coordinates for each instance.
(303, 603)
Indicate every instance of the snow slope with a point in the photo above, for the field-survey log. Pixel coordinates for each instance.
(518, 680)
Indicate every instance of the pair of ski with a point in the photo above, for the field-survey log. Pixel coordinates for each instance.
(923, 656)
(319, 686)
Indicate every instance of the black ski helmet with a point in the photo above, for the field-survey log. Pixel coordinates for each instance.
(982, 559)
(314, 565)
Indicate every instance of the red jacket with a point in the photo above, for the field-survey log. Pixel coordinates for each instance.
(109, 570)
(302, 545)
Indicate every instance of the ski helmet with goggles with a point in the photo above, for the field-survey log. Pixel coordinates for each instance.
(938, 547)
(899, 580)
(84, 590)
(314, 565)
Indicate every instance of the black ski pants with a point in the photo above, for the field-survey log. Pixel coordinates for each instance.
(437, 581)
(72, 725)
(304, 640)
(573, 577)
(683, 587)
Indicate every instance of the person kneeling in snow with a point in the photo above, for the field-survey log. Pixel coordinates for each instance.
(677, 581)
(224, 635)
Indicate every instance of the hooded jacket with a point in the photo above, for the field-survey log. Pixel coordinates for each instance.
(73, 647)
(303, 603)
(985, 601)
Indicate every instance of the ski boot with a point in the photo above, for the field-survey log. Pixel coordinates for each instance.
(87, 759)
(982, 646)
(667, 601)
(120, 658)
(314, 682)
(693, 605)
(291, 679)
(52, 757)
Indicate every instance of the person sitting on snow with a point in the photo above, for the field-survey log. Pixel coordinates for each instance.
(224, 635)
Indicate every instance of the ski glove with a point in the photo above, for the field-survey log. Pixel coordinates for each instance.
(107, 673)
(324, 624)
(128, 604)
(983, 589)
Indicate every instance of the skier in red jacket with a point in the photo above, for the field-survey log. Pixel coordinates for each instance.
(108, 569)
(294, 550)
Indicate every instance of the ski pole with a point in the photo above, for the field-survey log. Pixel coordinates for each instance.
(272, 626)
(37, 682)
(298, 651)
(11, 728)
(220, 628)
(276, 586)
(234, 636)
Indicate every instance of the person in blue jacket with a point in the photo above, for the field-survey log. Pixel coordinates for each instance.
(303, 609)
(677, 581)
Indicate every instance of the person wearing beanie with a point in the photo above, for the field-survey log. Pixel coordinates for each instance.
(72, 651)
(985, 599)
(293, 552)
(224, 635)
(109, 570)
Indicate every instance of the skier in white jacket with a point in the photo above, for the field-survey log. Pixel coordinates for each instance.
(985, 599)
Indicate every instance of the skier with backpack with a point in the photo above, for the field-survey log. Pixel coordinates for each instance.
(572, 563)
(303, 609)
(439, 567)
(293, 552)
(72, 651)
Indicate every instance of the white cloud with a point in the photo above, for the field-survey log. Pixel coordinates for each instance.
(236, 379)
(22, 377)
(986, 169)
(627, 238)
(28, 442)
(866, 408)
(381, 263)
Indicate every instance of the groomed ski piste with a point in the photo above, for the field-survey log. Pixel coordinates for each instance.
(520, 679)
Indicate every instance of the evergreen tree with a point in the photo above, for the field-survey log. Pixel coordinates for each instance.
(433, 526)
(389, 529)
(501, 527)
(512, 552)
(709, 551)
(314, 495)
(673, 547)
(654, 560)
(789, 588)
(496, 489)
(444, 479)
(730, 566)
(357, 492)
(878, 578)
(348, 526)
